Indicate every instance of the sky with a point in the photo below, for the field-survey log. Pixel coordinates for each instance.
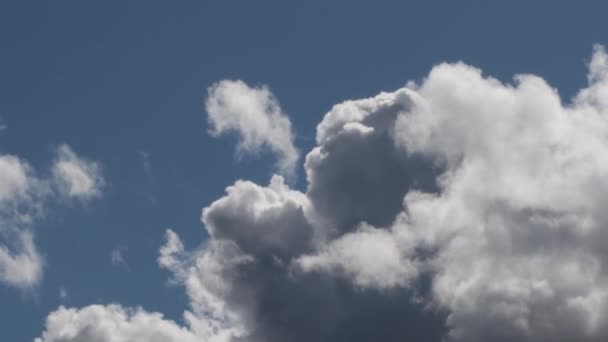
(279, 171)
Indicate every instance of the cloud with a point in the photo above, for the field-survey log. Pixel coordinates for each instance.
(350, 255)
(516, 224)
(356, 173)
(461, 208)
(117, 257)
(221, 259)
(112, 323)
(255, 116)
(14, 178)
(22, 268)
(254, 218)
(24, 197)
(75, 176)
(20, 263)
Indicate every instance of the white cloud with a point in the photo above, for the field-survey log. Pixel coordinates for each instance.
(254, 218)
(20, 263)
(352, 253)
(75, 176)
(517, 222)
(488, 195)
(205, 274)
(14, 179)
(22, 268)
(255, 115)
(513, 234)
(112, 323)
(23, 199)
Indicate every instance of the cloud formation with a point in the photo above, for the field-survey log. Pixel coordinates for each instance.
(23, 199)
(458, 209)
(76, 177)
(256, 117)
(112, 323)
(20, 263)
(22, 267)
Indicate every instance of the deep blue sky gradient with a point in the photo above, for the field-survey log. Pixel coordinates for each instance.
(118, 80)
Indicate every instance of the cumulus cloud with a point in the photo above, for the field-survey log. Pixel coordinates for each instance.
(14, 179)
(254, 218)
(75, 176)
(23, 199)
(112, 323)
(220, 260)
(519, 207)
(22, 268)
(357, 173)
(20, 263)
(351, 255)
(255, 116)
(458, 209)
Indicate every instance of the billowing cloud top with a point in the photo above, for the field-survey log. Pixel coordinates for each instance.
(459, 209)
(255, 115)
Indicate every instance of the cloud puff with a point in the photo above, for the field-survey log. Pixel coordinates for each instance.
(13, 177)
(22, 268)
(20, 262)
(255, 115)
(112, 323)
(207, 290)
(254, 218)
(351, 255)
(75, 176)
(458, 209)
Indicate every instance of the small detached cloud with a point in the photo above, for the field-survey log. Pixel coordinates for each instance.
(63, 294)
(117, 257)
(256, 117)
(76, 177)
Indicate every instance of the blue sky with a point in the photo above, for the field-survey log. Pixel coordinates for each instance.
(124, 85)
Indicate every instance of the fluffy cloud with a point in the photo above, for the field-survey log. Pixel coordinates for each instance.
(459, 209)
(516, 224)
(24, 267)
(357, 173)
(14, 178)
(255, 115)
(23, 198)
(254, 218)
(75, 176)
(20, 262)
(350, 255)
(112, 323)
